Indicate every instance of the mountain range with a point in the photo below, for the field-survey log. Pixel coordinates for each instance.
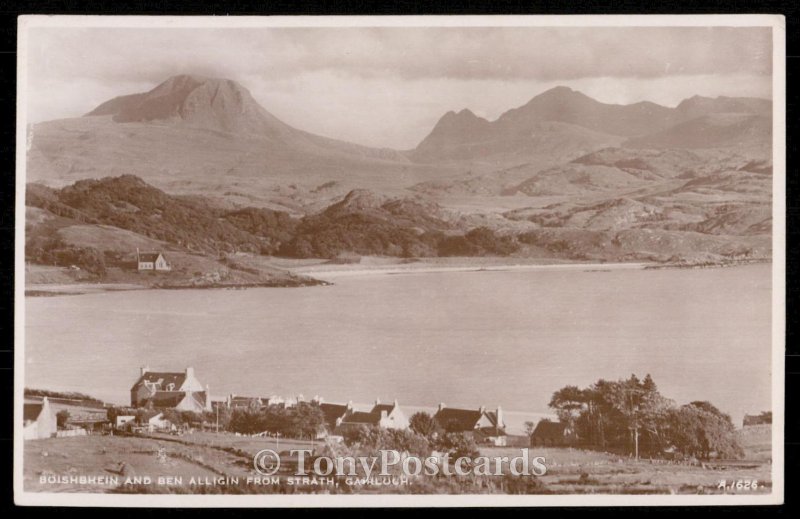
(192, 129)
(198, 163)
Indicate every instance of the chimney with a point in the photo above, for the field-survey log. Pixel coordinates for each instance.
(481, 409)
(349, 404)
(395, 404)
(500, 417)
(377, 401)
(143, 370)
(441, 406)
(189, 372)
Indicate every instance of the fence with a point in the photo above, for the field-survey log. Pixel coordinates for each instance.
(70, 432)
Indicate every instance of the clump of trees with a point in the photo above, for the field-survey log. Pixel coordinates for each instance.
(425, 425)
(305, 420)
(480, 241)
(375, 439)
(631, 415)
(52, 250)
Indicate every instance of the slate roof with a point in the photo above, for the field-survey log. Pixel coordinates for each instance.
(164, 399)
(458, 420)
(382, 407)
(371, 417)
(150, 257)
(361, 417)
(332, 412)
(161, 379)
(31, 412)
(549, 430)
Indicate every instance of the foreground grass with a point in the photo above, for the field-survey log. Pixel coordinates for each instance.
(211, 457)
(578, 471)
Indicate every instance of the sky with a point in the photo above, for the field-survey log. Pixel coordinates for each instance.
(387, 87)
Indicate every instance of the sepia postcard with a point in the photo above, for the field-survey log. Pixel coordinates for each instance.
(400, 261)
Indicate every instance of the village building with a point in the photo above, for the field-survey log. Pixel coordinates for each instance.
(170, 390)
(87, 414)
(484, 426)
(151, 261)
(552, 434)
(155, 421)
(334, 414)
(122, 420)
(246, 402)
(39, 420)
(341, 418)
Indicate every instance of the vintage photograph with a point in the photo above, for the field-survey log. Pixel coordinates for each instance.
(400, 261)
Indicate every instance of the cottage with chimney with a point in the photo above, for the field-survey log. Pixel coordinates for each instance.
(484, 426)
(151, 261)
(334, 414)
(341, 418)
(169, 390)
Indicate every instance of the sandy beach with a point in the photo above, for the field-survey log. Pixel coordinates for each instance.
(345, 270)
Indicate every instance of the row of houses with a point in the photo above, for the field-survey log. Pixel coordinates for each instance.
(155, 391)
(183, 391)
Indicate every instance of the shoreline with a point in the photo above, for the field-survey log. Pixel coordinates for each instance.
(432, 268)
(318, 272)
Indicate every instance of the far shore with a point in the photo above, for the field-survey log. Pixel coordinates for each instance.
(320, 272)
(346, 270)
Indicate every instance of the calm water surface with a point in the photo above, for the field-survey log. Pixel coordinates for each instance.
(464, 338)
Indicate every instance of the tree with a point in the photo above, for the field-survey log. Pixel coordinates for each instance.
(700, 429)
(306, 421)
(459, 445)
(424, 424)
(62, 417)
(569, 403)
(373, 439)
(625, 414)
(529, 428)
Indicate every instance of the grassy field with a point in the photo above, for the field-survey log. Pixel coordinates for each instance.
(573, 471)
(104, 456)
(206, 455)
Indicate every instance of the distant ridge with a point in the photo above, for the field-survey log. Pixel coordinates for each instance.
(476, 137)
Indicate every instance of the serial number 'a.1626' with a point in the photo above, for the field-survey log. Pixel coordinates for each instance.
(739, 484)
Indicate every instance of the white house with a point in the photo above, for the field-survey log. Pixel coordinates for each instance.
(157, 422)
(151, 261)
(39, 420)
(484, 426)
(340, 418)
